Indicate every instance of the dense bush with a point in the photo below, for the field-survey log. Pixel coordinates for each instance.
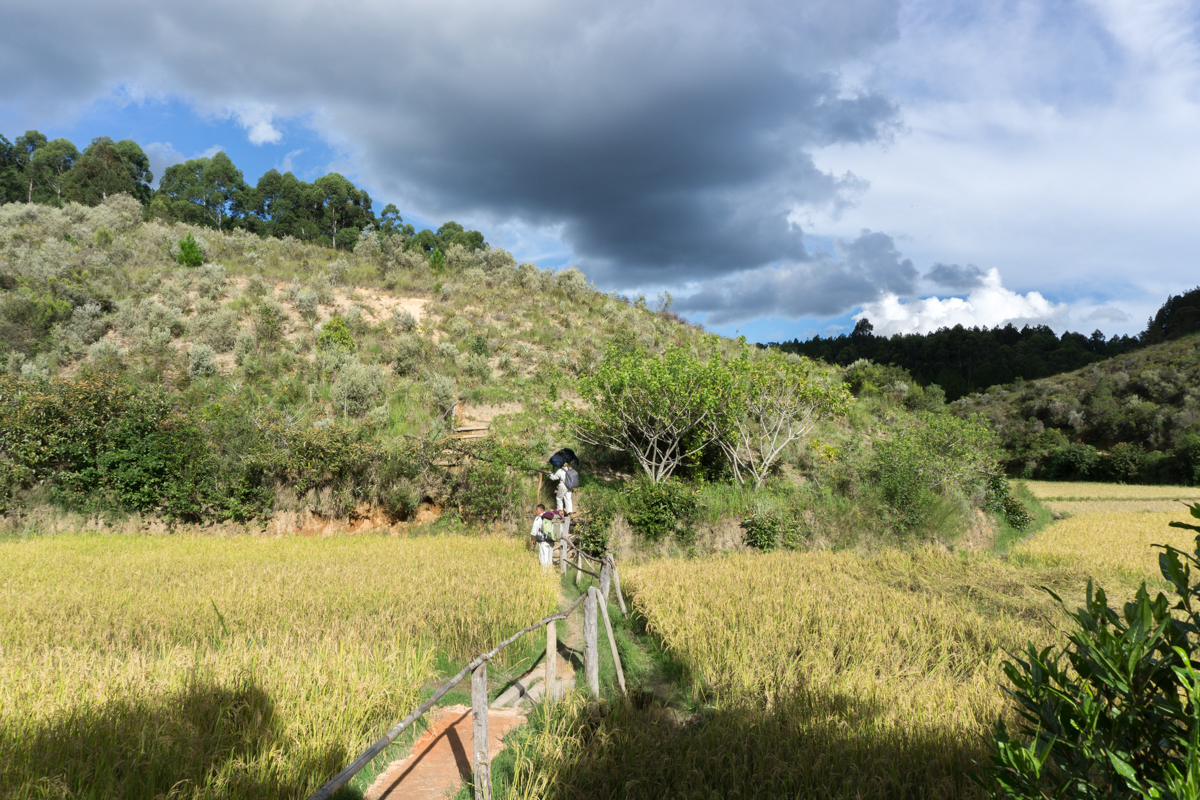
(1115, 712)
(484, 491)
(336, 333)
(660, 510)
(190, 254)
(934, 459)
(97, 441)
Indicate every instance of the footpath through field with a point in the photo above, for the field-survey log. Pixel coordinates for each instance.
(440, 760)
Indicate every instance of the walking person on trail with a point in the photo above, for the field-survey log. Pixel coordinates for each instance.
(542, 535)
(568, 480)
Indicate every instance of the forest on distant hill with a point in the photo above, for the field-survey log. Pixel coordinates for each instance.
(210, 192)
(963, 360)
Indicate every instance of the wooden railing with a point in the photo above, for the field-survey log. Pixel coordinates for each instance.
(596, 598)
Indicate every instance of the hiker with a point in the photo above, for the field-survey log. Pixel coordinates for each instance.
(568, 480)
(542, 535)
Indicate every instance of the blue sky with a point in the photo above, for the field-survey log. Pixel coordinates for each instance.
(780, 169)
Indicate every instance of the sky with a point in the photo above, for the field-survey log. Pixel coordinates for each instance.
(780, 169)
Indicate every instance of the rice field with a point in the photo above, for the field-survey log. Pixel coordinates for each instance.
(196, 667)
(820, 675)
(1108, 545)
(1078, 490)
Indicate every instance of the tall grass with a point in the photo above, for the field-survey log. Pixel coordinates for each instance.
(816, 675)
(1107, 544)
(209, 667)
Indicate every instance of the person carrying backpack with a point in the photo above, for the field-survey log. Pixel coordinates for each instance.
(542, 534)
(568, 481)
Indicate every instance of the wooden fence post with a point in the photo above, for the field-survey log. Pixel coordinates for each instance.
(479, 714)
(617, 582)
(605, 579)
(591, 660)
(612, 643)
(563, 542)
(578, 564)
(551, 661)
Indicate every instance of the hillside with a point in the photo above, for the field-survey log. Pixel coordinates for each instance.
(1133, 418)
(285, 382)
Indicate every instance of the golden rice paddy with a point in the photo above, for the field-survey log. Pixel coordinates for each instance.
(232, 667)
(1078, 490)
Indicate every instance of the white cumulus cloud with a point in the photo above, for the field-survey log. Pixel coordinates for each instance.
(989, 304)
(257, 119)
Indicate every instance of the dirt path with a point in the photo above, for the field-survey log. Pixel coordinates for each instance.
(440, 760)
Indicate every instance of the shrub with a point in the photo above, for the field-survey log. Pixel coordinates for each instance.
(659, 510)
(269, 322)
(408, 352)
(244, 346)
(1002, 502)
(306, 302)
(210, 281)
(358, 388)
(200, 362)
(1073, 461)
(595, 529)
(335, 334)
(484, 490)
(102, 237)
(447, 350)
(443, 392)
(1124, 463)
(477, 366)
(573, 283)
(1115, 712)
(190, 254)
(478, 345)
(403, 320)
(218, 329)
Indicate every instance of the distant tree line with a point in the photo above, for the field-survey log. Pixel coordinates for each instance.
(965, 360)
(209, 191)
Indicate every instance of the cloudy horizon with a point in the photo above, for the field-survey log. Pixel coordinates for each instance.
(780, 169)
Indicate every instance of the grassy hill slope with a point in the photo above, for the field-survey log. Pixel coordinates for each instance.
(1132, 418)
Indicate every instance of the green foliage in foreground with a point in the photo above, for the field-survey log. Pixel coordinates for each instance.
(1116, 711)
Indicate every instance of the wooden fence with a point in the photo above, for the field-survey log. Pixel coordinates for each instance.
(595, 599)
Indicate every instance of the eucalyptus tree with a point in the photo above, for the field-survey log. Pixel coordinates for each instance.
(108, 168)
(50, 165)
(207, 191)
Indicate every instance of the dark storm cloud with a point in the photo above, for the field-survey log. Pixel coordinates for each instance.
(667, 141)
(866, 268)
(956, 278)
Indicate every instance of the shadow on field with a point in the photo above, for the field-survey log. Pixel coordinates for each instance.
(808, 745)
(205, 740)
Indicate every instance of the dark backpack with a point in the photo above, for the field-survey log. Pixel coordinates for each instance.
(572, 480)
(563, 456)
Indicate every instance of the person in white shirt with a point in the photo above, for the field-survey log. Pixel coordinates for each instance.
(545, 548)
(562, 495)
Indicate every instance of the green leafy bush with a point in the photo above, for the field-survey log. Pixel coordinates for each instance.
(336, 333)
(932, 459)
(484, 491)
(659, 510)
(768, 531)
(1116, 711)
(190, 254)
(1001, 501)
(595, 529)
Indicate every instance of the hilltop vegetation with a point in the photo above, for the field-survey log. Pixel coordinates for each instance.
(284, 375)
(965, 360)
(1133, 419)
